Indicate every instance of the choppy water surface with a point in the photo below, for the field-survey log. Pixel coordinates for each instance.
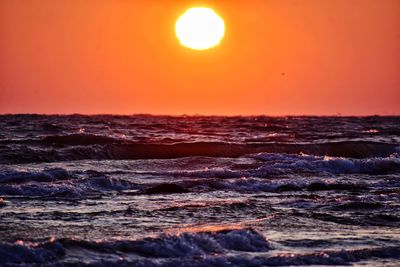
(199, 191)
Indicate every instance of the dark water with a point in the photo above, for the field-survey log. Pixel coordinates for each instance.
(199, 191)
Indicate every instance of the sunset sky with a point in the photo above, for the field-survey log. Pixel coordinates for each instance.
(278, 57)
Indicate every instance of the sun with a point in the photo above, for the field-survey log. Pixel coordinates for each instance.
(200, 28)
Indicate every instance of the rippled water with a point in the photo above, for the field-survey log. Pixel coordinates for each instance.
(199, 191)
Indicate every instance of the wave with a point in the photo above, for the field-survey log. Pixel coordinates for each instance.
(97, 186)
(239, 247)
(166, 246)
(218, 149)
(60, 184)
(90, 147)
(254, 185)
(286, 164)
(80, 139)
(334, 165)
(49, 175)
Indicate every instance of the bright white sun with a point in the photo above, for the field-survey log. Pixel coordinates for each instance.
(200, 28)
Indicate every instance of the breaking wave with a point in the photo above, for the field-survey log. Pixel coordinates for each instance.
(186, 249)
(167, 246)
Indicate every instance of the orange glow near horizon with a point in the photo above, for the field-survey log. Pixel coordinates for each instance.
(278, 57)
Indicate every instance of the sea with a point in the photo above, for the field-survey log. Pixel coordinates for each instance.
(199, 191)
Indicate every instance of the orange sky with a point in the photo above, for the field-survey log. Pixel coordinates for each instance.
(122, 56)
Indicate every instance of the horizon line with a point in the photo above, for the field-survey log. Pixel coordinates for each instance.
(199, 115)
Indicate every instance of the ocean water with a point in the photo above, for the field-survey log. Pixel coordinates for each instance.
(199, 191)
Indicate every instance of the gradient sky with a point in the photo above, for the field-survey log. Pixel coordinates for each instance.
(278, 57)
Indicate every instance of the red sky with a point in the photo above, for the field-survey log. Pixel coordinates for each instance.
(278, 57)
